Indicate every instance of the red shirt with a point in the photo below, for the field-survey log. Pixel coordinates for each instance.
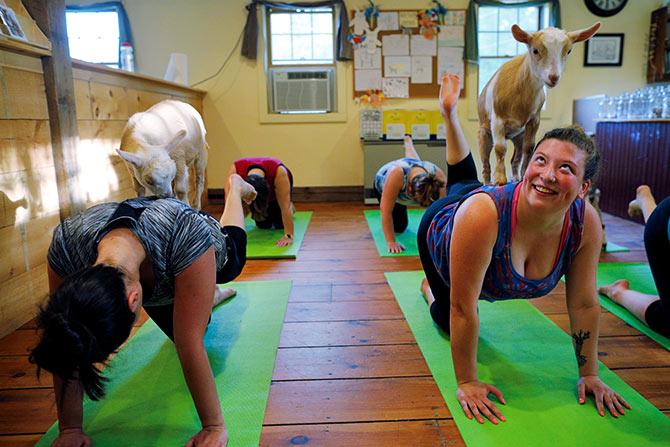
(269, 167)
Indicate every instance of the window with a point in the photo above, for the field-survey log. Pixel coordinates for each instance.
(302, 38)
(94, 36)
(496, 44)
(301, 59)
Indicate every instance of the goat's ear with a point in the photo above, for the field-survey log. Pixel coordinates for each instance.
(583, 34)
(519, 34)
(176, 140)
(131, 158)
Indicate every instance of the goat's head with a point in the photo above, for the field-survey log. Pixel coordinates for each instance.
(549, 48)
(153, 167)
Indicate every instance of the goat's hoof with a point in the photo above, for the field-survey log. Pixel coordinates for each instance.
(500, 180)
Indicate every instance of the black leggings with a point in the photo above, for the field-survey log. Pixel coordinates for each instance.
(236, 255)
(461, 179)
(658, 253)
(399, 214)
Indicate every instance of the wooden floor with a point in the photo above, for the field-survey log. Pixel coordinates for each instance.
(348, 371)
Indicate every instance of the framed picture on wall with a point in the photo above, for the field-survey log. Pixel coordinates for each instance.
(604, 50)
(9, 23)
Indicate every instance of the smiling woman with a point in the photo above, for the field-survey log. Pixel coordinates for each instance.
(513, 241)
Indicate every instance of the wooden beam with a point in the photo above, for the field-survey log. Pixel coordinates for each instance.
(50, 17)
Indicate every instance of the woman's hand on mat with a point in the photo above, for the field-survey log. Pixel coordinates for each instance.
(284, 241)
(603, 394)
(395, 247)
(72, 437)
(473, 397)
(210, 436)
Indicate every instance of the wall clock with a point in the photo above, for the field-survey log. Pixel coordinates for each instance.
(605, 8)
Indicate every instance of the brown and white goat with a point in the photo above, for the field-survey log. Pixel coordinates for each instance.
(510, 103)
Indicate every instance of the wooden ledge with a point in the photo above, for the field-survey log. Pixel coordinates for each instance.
(24, 47)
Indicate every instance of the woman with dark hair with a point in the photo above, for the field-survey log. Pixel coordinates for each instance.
(108, 262)
(653, 310)
(405, 182)
(273, 182)
(514, 241)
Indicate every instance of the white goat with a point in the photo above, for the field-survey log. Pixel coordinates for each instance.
(160, 144)
(510, 103)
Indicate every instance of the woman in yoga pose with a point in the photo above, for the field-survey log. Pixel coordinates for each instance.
(514, 241)
(405, 182)
(653, 310)
(108, 262)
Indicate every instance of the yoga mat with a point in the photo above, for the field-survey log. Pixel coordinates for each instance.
(261, 243)
(147, 401)
(611, 247)
(532, 362)
(641, 280)
(407, 237)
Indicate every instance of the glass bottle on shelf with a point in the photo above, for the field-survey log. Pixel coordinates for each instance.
(127, 58)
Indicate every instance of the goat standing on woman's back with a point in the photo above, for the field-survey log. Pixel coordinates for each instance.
(510, 103)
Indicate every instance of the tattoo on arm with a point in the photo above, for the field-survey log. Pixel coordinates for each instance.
(579, 339)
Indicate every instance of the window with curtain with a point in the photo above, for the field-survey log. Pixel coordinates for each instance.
(94, 36)
(301, 37)
(495, 41)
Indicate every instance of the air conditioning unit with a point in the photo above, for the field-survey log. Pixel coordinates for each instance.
(303, 90)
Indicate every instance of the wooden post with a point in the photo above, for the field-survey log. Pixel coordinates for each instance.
(50, 17)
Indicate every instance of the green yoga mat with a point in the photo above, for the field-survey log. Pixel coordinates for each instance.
(532, 362)
(148, 403)
(641, 280)
(407, 237)
(611, 247)
(261, 243)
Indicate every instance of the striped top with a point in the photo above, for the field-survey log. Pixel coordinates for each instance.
(501, 280)
(406, 164)
(173, 235)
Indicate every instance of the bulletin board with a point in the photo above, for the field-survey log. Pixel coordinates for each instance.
(448, 45)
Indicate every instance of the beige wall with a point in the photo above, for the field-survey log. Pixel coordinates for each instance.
(330, 154)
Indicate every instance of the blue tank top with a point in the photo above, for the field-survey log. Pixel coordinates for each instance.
(502, 281)
(406, 164)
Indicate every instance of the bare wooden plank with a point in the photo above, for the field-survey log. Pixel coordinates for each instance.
(337, 277)
(345, 333)
(652, 383)
(339, 311)
(19, 440)
(349, 362)
(82, 99)
(398, 434)
(303, 293)
(110, 102)
(21, 297)
(18, 342)
(18, 372)
(26, 97)
(615, 352)
(328, 401)
(27, 411)
(324, 267)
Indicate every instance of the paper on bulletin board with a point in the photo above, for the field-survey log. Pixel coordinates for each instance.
(395, 87)
(422, 70)
(456, 18)
(395, 45)
(450, 60)
(441, 131)
(408, 19)
(420, 46)
(395, 131)
(368, 80)
(388, 21)
(421, 131)
(364, 60)
(397, 66)
(451, 36)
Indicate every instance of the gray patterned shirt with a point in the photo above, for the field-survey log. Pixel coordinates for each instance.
(173, 235)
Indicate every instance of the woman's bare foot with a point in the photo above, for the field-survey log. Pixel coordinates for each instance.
(426, 292)
(408, 143)
(450, 90)
(222, 294)
(247, 192)
(644, 202)
(613, 291)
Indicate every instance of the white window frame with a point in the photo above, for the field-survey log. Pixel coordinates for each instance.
(265, 87)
